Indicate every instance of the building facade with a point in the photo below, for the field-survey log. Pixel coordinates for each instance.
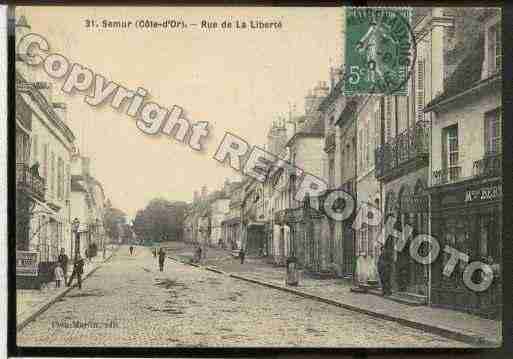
(465, 182)
(44, 146)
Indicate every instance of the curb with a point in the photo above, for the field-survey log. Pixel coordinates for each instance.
(56, 297)
(444, 332)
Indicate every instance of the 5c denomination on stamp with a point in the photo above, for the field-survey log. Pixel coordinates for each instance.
(380, 51)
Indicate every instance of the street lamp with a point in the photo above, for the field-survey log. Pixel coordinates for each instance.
(75, 225)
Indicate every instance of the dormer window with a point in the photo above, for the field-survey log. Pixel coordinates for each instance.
(494, 49)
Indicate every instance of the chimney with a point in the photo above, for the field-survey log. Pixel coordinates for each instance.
(61, 110)
(86, 166)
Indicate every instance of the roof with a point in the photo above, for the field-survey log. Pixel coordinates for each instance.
(465, 76)
(314, 127)
(335, 92)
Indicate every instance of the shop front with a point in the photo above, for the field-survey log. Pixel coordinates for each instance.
(467, 216)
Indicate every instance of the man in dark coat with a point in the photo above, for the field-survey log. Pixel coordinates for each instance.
(162, 258)
(385, 267)
(78, 270)
(242, 254)
(63, 260)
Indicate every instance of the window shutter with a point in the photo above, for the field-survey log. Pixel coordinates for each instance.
(420, 89)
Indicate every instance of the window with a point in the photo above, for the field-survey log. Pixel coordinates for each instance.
(35, 149)
(492, 132)
(420, 89)
(52, 174)
(494, 49)
(67, 180)
(451, 155)
(60, 178)
(45, 161)
(388, 105)
(367, 144)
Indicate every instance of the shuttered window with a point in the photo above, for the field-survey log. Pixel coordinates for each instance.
(45, 162)
(492, 127)
(420, 89)
(35, 149)
(388, 105)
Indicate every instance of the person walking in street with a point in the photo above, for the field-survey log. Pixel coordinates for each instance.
(131, 249)
(59, 275)
(78, 270)
(242, 254)
(162, 258)
(63, 261)
(154, 252)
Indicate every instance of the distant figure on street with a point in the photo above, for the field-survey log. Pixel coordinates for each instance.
(384, 268)
(131, 249)
(59, 275)
(155, 252)
(162, 258)
(63, 261)
(198, 254)
(78, 270)
(104, 251)
(242, 254)
(88, 255)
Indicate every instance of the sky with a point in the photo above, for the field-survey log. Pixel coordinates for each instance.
(236, 80)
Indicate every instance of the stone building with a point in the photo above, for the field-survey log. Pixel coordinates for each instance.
(87, 205)
(402, 156)
(44, 146)
(231, 225)
(339, 163)
(465, 179)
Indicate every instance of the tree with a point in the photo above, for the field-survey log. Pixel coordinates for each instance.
(160, 220)
(112, 219)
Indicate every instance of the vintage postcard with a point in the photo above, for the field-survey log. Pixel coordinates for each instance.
(258, 177)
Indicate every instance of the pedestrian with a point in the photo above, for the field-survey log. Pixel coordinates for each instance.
(78, 270)
(63, 260)
(384, 270)
(104, 252)
(242, 254)
(154, 252)
(198, 256)
(59, 275)
(131, 249)
(162, 258)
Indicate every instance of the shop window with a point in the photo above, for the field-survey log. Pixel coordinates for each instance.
(492, 128)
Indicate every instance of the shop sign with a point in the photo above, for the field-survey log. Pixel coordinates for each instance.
(26, 263)
(488, 193)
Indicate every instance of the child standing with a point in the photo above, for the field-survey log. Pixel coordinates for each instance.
(59, 275)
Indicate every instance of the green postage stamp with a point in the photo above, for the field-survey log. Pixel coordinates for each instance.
(380, 51)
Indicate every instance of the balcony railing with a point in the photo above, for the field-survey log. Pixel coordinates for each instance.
(30, 182)
(410, 144)
(488, 166)
(446, 175)
(329, 142)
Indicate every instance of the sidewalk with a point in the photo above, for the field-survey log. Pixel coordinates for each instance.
(31, 302)
(449, 323)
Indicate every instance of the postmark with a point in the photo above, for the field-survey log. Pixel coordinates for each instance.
(380, 51)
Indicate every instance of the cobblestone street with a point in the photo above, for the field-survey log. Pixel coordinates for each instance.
(128, 302)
